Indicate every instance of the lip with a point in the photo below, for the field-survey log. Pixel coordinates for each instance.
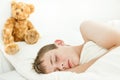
(69, 64)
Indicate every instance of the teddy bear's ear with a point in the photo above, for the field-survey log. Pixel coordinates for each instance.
(13, 3)
(31, 8)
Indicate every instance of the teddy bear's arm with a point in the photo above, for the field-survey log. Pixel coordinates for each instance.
(30, 25)
(31, 35)
(7, 31)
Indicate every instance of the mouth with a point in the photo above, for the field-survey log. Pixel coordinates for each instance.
(69, 64)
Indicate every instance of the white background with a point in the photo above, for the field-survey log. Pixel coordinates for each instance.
(63, 16)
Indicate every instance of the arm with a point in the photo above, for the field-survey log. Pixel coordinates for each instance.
(8, 31)
(83, 67)
(30, 25)
(102, 34)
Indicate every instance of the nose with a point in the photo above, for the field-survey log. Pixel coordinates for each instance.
(61, 67)
(17, 13)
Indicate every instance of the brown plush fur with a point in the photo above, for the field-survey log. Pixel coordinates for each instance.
(18, 28)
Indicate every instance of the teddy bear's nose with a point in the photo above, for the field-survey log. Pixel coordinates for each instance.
(17, 13)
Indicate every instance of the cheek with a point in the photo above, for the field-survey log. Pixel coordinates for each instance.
(75, 60)
(62, 58)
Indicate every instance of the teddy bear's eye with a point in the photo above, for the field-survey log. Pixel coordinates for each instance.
(22, 10)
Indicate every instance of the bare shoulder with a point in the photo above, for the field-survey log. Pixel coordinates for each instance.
(101, 33)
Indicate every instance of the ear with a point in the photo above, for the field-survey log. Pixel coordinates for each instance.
(31, 8)
(59, 42)
(13, 3)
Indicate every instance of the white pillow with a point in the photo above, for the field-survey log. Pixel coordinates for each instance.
(5, 65)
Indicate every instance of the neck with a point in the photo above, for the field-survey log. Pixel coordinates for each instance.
(78, 49)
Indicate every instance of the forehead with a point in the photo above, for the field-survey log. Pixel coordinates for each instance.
(53, 52)
(46, 63)
(20, 5)
(46, 56)
(50, 52)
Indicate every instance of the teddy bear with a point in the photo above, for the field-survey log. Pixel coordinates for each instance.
(18, 28)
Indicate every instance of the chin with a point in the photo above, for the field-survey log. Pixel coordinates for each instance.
(77, 63)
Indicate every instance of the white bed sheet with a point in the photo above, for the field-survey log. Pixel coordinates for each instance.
(5, 65)
(12, 75)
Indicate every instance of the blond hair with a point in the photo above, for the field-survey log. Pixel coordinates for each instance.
(37, 65)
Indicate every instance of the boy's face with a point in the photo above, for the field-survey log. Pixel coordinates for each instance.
(62, 58)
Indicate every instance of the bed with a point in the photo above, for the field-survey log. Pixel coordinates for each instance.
(57, 23)
(19, 66)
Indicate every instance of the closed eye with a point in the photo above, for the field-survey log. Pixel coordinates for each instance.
(57, 69)
(51, 60)
(56, 59)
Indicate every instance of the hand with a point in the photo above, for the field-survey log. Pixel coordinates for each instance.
(83, 67)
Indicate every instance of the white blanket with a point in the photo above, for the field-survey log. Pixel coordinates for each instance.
(108, 65)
